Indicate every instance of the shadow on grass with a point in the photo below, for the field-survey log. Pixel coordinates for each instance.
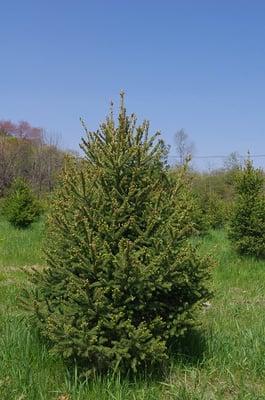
(190, 349)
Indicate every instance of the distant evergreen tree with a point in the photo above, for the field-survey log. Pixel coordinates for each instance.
(247, 230)
(122, 281)
(21, 208)
(189, 203)
(216, 210)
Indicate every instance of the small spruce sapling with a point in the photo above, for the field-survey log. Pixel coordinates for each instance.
(247, 228)
(21, 208)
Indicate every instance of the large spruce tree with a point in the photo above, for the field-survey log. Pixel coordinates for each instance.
(122, 282)
(247, 228)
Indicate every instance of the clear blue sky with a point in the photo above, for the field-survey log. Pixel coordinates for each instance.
(198, 65)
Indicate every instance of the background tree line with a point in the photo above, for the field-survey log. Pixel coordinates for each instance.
(214, 191)
(27, 153)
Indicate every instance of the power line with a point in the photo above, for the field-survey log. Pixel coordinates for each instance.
(222, 156)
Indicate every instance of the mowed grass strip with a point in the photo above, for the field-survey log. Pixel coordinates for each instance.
(225, 360)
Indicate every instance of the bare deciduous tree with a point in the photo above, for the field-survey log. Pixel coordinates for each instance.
(184, 148)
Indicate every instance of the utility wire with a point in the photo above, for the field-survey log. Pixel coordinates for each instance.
(216, 156)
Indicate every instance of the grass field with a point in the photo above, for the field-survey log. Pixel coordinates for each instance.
(226, 362)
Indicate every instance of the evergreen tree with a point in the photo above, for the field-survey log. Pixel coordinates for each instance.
(189, 202)
(247, 230)
(216, 210)
(21, 208)
(122, 281)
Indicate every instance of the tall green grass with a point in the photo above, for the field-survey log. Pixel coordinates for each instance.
(225, 361)
(20, 247)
